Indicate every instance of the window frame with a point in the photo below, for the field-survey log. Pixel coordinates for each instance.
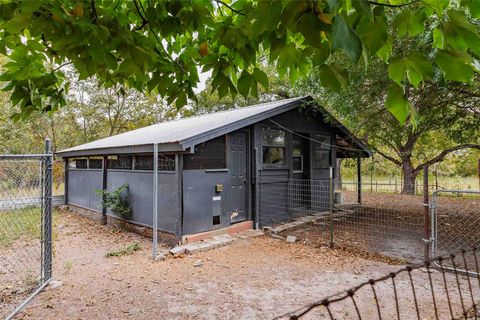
(118, 156)
(322, 148)
(276, 146)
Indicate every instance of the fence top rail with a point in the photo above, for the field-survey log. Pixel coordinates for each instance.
(24, 156)
(455, 191)
(437, 262)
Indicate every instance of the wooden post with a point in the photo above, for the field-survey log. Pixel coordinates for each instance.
(104, 187)
(359, 180)
(426, 215)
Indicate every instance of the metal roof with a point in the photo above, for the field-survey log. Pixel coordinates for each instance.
(181, 134)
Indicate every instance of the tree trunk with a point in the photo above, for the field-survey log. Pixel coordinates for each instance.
(409, 177)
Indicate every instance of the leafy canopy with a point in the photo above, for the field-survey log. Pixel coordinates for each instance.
(160, 47)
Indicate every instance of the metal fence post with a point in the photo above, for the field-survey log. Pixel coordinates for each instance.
(155, 201)
(426, 215)
(47, 212)
(331, 195)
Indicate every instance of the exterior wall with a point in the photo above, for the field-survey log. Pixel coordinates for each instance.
(275, 181)
(201, 202)
(140, 197)
(82, 184)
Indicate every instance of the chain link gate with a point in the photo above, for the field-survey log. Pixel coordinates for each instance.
(454, 230)
(25, 228)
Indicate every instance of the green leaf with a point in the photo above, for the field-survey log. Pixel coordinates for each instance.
(245, 83)
(416, 67)
(438, 38)
(438, 6)
(410, 22)
(396, 103)
(332, 77)
(473, 7)
(261, 77)
(385, 51)
(456, 65)
(344, 38)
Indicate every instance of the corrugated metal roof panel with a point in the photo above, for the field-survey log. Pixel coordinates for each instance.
(177, 131)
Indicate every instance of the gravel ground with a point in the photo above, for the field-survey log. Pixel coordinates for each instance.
(254, 278)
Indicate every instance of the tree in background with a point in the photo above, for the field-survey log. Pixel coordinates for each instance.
(159, 46)
(447, 118)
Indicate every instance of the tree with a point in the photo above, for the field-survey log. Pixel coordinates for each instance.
(447, 118)
(160, 46)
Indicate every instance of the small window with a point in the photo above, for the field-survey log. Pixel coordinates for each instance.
(208, 155)
(322, 153)
(78, 163)
(322, 158)
(120, 162)
(322, 142)
(95, 163)
(273, 149)
(166, 162)
(297, 164)
(144, 162)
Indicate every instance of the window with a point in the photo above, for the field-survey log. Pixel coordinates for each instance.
(78, 163)
(120, 162)
(297, 155)
(166, 162)
(322, 153)
(95, 163)
(208, 155)
(273, 148)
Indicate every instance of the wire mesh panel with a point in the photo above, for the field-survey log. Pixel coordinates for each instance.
(418, 291)
(455, 221)
(283, 199)
(25, 228)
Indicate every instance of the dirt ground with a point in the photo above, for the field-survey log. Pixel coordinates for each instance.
(255, 278)
(392, 225)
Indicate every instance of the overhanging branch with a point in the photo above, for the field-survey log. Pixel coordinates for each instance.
(444, 153)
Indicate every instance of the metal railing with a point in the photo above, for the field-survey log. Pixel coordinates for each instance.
(419, 291)
(25, 228)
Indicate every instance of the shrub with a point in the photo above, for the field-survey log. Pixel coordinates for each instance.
(115, 201)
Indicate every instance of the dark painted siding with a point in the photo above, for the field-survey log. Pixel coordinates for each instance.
(81, 188)
(274, 189)
(83, 183)
(201, 202)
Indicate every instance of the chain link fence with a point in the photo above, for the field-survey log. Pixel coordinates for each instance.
(25, 229)
(420, 291)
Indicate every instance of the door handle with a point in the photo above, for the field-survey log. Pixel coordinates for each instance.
(244, 181)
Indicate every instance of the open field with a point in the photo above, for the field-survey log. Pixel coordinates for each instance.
(252, 278)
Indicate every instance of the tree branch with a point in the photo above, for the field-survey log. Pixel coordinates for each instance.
(444, 153)
(229, 7)
(386, 156)
(393, 5)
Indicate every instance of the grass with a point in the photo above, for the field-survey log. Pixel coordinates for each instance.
(19, 223)
(128, 249)
(22, 223)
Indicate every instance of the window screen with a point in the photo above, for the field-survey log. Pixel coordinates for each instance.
(322, 153)
(208, 155)
(120, 162)
(144, 162)
(273, 147)
(166, 162)
(78, 163)
(95, 163)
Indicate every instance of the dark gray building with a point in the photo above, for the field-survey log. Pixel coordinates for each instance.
(214, 168)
